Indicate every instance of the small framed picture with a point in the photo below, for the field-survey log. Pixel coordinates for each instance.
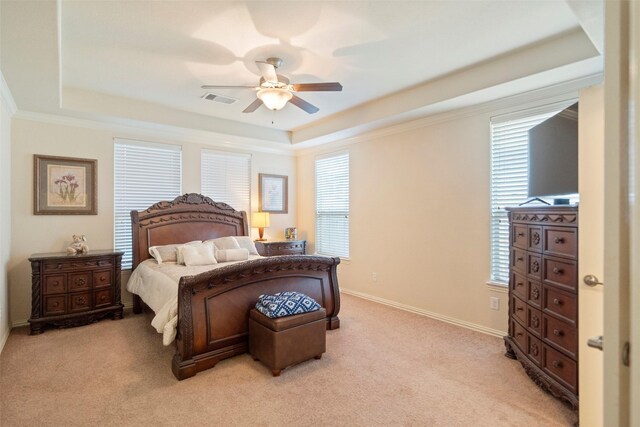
(291, 233)
(64, 186)
(273, 193)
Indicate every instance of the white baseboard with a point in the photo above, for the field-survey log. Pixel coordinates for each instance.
(3, 339)
(422, 312)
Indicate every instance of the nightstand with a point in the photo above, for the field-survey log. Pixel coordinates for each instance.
(283, 247)
(73, 290)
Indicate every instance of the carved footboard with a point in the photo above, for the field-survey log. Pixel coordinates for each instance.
(213, 307)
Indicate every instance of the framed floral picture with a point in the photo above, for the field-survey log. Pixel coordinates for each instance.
(273, 193)
(64, 186)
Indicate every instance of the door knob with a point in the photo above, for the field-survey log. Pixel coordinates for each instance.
(595, 342)
(591, 280)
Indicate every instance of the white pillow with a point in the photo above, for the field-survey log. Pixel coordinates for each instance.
(198, 255)
(179, 258)
(166, 253)
(247, 243)
(225, 255)
(225, 243)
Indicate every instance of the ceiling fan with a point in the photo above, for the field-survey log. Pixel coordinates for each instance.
(275, 91)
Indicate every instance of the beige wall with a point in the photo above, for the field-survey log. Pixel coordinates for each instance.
(52, 233)
(5, 218)
(420, 220)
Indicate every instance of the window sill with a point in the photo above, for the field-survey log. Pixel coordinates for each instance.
(498, 287)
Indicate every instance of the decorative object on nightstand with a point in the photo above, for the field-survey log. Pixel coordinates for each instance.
(291, 233)
(73, 290)
(285, 247)
(260, 220)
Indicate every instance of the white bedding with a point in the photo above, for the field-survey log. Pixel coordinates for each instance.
(157, 285)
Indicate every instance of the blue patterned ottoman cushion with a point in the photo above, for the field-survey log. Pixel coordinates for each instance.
(286, 304)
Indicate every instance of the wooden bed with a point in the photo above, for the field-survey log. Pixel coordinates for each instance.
(213, 306)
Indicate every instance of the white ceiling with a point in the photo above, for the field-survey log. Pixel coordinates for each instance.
(146, 60)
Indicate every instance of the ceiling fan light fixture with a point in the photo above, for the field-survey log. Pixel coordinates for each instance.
(274, 98)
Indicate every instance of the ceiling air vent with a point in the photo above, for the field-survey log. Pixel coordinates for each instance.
(217, 98)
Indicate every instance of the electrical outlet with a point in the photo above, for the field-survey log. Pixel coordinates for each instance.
(494, 303)
(374, 276)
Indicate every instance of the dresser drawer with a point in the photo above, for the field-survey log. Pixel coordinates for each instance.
(534, 320)
(561, 273)
(519, 260)
(76, 263)
(519, 285)
(561, 334)
(534, 266)
(54, 305)
(79, 281)
(101, 278)
(520, 335)
(519, 236)
(102, 298)
(79, 302)
(560, 367)
(561, 241)
(560, 303)
(534, 293)
(519, 309)
(535, 239)
(54, 284)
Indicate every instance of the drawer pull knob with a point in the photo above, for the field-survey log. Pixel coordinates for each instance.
(102, 278)
(558, 333)
(519, 308)
(557, 364)
(56, 283)
(103, 297)
(558, 271)
(519, 334)
(520, 259)
(521, 234)
(559, 240)
(519, 284)
(55, 304)
(59, 266)
(557, 301)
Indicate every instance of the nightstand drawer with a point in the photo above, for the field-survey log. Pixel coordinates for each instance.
(101, 278)
(55, 305)
(288, 247)
(102, 298)
(55, 284)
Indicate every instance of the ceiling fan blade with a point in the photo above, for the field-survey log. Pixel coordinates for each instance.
(301, 103)
(318, 87)
(253, 106)
(268, 71)
(226, 87)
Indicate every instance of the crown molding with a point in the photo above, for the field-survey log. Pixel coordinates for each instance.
(7, 97)
(524, 100)
(174, 134)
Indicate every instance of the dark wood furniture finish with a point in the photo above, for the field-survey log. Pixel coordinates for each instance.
(213, 307)
(73, 290)
(543, 297)
(284, 247)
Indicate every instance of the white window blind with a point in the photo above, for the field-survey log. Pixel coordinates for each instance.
(144, 174)
(332, 205)
(225, 177)
(509, 171)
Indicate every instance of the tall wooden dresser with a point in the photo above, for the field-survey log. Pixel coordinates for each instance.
(543, 297)
(73, 290)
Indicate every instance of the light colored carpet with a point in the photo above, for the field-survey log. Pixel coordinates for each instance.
(382, 367)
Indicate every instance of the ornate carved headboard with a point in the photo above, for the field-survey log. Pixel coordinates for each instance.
(189, 217)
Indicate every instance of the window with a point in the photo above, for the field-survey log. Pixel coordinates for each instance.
(332, 205)
(509, 170)
(144, 174)
(225, 177)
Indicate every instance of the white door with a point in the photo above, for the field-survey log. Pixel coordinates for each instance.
(591, 252)
(621, 218)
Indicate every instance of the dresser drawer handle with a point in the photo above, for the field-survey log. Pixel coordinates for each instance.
(103, 297)
(558, 271)
(558, 333)
(520, 234)
(519, 308)
(519, 334)
(55, 304)
(102, 278)
(519, 259)
(559, 240)
(557, 301)
(59, 266)
(519, 284)
(557, 364)
(56, 283)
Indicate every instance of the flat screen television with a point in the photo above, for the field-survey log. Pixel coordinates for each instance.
(553, 156)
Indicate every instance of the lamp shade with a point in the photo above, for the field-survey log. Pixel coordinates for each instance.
(260, 219)
(274, 98)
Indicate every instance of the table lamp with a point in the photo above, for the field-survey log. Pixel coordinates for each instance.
(260, 220)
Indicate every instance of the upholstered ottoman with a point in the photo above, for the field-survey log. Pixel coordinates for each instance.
(285, 341)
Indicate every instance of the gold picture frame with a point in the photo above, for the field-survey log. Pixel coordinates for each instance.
(273, 191)
(64, 186)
